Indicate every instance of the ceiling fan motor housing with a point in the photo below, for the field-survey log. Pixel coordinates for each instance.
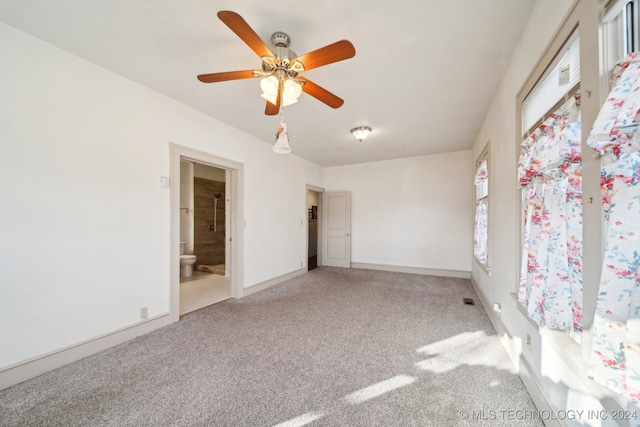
(280, 39)
(283, 69)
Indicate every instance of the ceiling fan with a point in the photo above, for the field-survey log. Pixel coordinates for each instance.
(281, 81)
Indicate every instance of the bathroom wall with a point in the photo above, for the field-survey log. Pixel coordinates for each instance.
(186, 205)
(209, 172)
(209, 245)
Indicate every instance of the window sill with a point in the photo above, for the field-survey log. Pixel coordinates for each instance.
(486, 268)
(523, 310)
(571, 352)
(563, 344)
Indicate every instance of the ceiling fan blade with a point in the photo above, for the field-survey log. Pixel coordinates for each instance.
(239, 26)
(273, 109)
(228, 75)
(335, 52)
(322, 94)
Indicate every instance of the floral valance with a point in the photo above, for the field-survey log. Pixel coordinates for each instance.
(552, 144)
(549, 170)
(615, 356)
(617, 123)
(482, 172)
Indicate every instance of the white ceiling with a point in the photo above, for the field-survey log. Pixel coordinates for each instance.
(423, 77)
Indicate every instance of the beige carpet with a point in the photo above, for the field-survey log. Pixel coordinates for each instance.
(333, 347)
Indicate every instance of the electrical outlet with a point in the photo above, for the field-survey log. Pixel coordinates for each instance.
(144, 313)
(497, 309)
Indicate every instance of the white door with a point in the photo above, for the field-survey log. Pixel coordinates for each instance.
(336, 229)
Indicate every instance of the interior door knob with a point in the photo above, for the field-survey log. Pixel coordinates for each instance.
(348, 234)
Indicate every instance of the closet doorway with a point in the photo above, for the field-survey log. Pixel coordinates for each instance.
(313, 212)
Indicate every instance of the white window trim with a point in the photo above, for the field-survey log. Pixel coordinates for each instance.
(485, 153)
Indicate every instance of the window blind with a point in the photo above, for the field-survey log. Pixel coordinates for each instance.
(563, 75)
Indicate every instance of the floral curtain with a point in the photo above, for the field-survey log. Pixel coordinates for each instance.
(549, 171)
(615, 356)
(480, 235)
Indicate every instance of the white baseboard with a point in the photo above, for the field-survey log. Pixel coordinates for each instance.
(540, 398)
(22, 371)
(30, 368)
(414, 270)
(272, 282)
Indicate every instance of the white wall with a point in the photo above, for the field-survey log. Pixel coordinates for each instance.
(557, 363)
(84, 221)
(411, 212)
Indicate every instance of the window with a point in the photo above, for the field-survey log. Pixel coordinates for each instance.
(630, 26)
(615, 133)
(550, 175)
(621, 31)
(614, 358)
(480, 231)
(561, 79)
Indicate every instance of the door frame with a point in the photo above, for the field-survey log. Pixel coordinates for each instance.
(235, 236)
(318, 190)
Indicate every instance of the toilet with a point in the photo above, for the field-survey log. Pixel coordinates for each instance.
(186, 262)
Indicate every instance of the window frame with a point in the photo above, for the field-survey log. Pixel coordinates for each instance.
(484, 154)
(545, 61)
(620, 33)
(562, 93)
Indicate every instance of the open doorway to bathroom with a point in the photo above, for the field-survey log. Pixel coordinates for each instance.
(203, 230)
(206, 229)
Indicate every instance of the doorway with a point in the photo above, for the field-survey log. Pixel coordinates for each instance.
(313, 212)
(313, 198)
(206, 216)
(203, 211)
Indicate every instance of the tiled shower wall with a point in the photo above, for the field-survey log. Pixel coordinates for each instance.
(208, 245)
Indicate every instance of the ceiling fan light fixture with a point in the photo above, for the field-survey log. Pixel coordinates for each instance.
(269, 86)
(271, 98)
(361, 132)
(292, 88)
(286, 100)
(291, 91)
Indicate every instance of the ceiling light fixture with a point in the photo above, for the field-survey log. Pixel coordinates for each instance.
(291, 90)
(361, 132)
(269, 86)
